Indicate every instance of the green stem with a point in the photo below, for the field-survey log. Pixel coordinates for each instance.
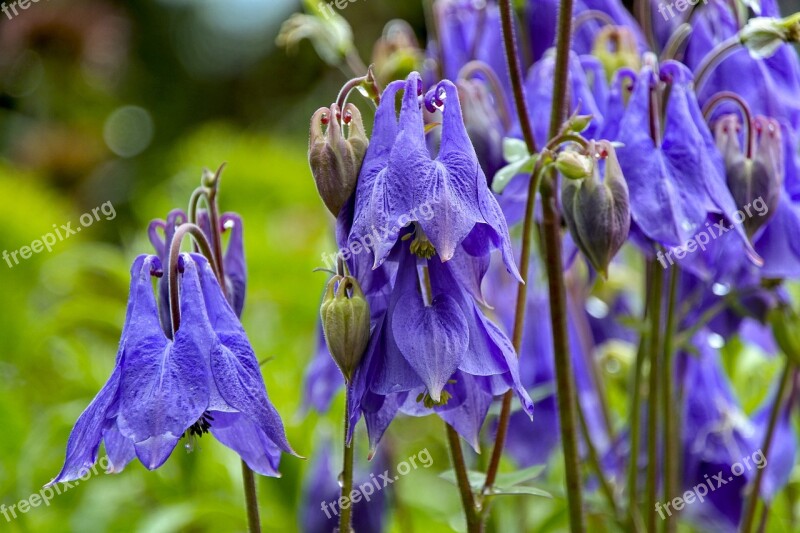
(249, 482)
(567, 399)
(174, 252)
(714, 58)
(474, 524)
(515, 70)
(605, 486)
(755, 488)
(636, 417)
(657, 288)
(670, 408)
(345, 518)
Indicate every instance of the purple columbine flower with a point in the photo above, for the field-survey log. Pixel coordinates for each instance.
(417, 211)
(162, 389)
(676, 178)
(400, 181)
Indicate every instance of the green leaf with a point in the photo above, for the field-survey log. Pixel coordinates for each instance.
(520, 490)
(511, 479)
(509, 483)
(505, 174)
(514, 150)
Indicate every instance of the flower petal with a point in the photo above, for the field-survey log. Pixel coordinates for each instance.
(239, 433)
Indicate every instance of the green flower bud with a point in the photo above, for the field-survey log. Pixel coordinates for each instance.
(616, 47)
(764, 35)
(786, 329)
(397, 53)
(598, 212)
(574, 165)
(755, 177)
(345, 323)
(335, 159)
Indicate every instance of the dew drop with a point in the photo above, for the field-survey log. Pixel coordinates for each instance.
(596, 307)
(340, 480)
(721, 289)
(716, 341)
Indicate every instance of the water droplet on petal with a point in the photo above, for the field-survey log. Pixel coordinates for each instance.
(716, 341)
(721, 289)
(596, 307)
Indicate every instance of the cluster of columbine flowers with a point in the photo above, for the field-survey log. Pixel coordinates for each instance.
(658, 131)
(674, 127)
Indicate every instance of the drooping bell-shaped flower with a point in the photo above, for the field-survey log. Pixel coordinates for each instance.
(163, 389)
(597, 211)
(335, 156)
(400, 179)
(755, 175)
(676, 178)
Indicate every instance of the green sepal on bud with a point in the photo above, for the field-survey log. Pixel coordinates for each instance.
(345, 323)
(335, 159)
(597, 211)
(574, 165)
(762, 36)
(785, 325)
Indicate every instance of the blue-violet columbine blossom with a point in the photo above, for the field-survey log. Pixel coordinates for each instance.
(205, 379)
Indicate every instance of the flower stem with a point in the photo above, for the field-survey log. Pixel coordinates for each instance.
(636, 418)
(755, 488)
(172, 273)
(249, 482)
(474, 524)
(670, 407)
(515, 70)
(567, 399)
(714, 58)
(345, 518)
(657, 289)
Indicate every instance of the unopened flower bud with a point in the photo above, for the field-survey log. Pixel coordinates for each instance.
(786, 330)
(345, 323)
(755, 177)
(335, 159)
(616, 47)
(764, 35)
(397, 53)
(483, 122)
(598, 212)
(574, 165)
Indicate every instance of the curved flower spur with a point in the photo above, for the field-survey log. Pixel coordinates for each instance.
(202, 378)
